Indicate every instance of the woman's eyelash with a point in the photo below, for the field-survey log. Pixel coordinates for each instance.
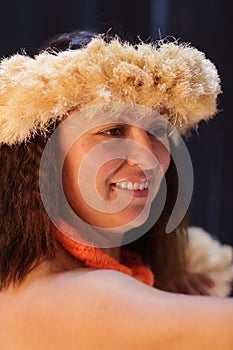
(115, 131)
(120, 131)
(158, 132)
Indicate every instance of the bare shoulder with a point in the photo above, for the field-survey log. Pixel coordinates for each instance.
(104, 309)
(67, 309)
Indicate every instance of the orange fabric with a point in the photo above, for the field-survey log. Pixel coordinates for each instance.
(131, 263)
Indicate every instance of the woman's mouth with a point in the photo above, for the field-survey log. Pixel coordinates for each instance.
(139, 188)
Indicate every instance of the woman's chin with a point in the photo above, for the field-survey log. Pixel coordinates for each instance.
(130, 219)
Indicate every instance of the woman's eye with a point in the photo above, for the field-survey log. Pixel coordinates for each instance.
(113, 132)
(159, 132)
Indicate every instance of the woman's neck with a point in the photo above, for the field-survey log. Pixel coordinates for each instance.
(65, 261)
(114, 252)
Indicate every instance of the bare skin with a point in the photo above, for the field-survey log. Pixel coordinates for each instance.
(55, 308)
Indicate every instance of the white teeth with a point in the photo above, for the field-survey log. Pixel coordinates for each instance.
(136, 186)
(141, 187)
(123, 184)
(132, 186)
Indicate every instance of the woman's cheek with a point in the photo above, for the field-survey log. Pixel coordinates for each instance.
(163, 156)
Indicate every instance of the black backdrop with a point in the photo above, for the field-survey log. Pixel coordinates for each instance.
(204, 23)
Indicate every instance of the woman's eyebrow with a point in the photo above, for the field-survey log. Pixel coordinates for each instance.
(131, 119)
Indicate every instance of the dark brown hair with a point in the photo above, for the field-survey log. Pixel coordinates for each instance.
(25, 234)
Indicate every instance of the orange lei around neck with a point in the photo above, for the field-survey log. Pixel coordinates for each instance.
(93, 257)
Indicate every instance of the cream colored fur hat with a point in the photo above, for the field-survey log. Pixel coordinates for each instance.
(36, 92)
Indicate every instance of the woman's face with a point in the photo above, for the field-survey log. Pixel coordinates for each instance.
(118, 165)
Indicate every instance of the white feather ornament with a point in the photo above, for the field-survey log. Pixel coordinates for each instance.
(206, 255)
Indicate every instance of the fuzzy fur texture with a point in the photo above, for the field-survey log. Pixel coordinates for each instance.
(35, 92)
(208, 256)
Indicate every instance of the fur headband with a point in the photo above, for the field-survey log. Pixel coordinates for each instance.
(36, 92)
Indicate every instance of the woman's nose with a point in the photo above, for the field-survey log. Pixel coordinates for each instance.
(142, 152)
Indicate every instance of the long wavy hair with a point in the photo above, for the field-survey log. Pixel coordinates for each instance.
(26, 238)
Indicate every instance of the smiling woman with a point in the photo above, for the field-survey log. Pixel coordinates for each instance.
(134, 176)
(89, 130)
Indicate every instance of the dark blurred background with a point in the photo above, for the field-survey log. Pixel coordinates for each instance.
(204, 23)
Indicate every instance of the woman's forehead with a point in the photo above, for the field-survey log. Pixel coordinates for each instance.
(124, 113)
